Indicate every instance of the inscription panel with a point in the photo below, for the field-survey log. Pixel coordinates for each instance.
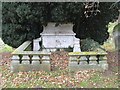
(58, 41)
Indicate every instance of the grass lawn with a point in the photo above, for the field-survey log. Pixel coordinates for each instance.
(57, 79)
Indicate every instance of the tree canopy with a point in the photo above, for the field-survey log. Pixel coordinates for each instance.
(24, 20)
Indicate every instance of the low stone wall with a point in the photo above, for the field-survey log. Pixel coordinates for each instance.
(29, 61)
(34, 60)
(46, 65)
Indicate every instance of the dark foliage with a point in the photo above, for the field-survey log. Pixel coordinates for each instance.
(23, 21)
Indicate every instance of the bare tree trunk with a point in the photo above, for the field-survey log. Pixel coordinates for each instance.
(116, 34)
(119, 17)
(119, 32)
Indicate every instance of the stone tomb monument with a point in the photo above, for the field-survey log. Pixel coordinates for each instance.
(57, 37)
(54, 38)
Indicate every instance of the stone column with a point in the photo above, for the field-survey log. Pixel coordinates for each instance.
(119, 17)
(76, 47)
(36, 45)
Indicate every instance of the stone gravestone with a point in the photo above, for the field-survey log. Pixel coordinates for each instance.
(57, 37)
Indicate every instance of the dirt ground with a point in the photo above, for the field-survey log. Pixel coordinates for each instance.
(113, 60)
(5, 58)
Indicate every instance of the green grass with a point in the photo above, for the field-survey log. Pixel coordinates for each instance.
(99, 80)
(111, 27)
(35, 79)
(6, 48)
(109, 44)
(84, 84)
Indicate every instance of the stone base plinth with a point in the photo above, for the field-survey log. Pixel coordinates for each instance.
(45, 66)
(74, 66)
(26, 66)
